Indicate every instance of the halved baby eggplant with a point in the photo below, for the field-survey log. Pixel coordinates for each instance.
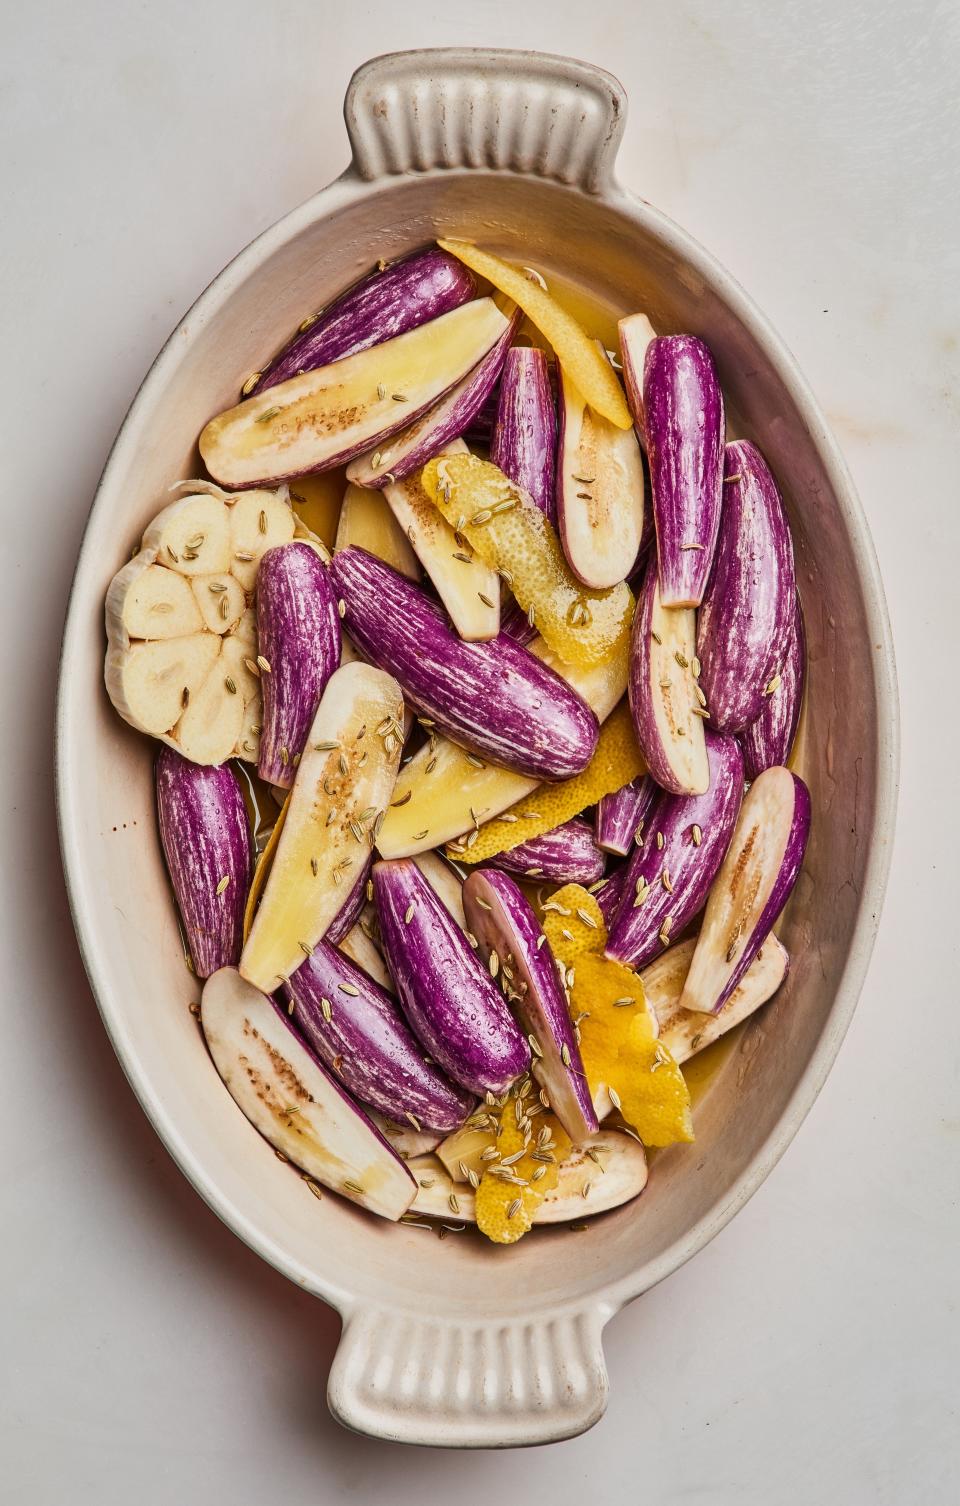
(323, 418)
(753, 885)
(683, 844)
(295, 1103)
(745, 618)
(667, 713)
(566, 855)
(298, 637)
(684, 1032)
(386, 303)
(600, 501)
(769, 740)
(359, 1032)
(451, 1002)
(205, 837)
(684, 426)
(343, 782)
(620, 816)
(515, 950)
(495, 699)
(523, 441)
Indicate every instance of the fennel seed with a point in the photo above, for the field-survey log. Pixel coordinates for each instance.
(265, 417)
(264, 664)
(224, 884)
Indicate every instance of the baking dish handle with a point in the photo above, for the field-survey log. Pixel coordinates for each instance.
(417, 1379)
(485, 109)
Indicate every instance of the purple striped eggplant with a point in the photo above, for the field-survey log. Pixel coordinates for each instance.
(515, 622)
(683, 422)
(326, 417)
(495, 699)
(352, 907)
(769, 740)
(356, 1028)
(636, 334)
(753, 885)
(665, 700)
(447, 420)
(683, 845)
(744, 623)
(205, 837)
(523, 441)
(450, 1000)
(298, 636)
(608, 897)
(512, 945)
(621, 815)
(378, 307)
(481, 425)
(566, 855)
(286, 1092)
(600, 492)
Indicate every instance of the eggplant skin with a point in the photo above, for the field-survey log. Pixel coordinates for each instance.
(369, 1045)
(684, 427)
(381, 305)
(566, 855)
(451, 1003)
(523, 441)
(674, 875)
(768, 741)
(205, 836)
(493, 698)
(504, 923)
(620, 815)
(298, 633)
(745, 619)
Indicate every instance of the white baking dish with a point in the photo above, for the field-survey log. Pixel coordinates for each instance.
(459, 1342)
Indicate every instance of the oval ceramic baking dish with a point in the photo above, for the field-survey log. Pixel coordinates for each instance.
(455, 1342)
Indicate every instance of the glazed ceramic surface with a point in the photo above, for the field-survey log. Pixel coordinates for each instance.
(458, 1342)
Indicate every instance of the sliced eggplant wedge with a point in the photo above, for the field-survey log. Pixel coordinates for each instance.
(468, 588)
(513, 947)
(367, 521)
(754, 883)
(684, 1032)
(612, 1167)
(323, 418)
(667, 714)
(343, 782)
(600, 492)
(294, 1102)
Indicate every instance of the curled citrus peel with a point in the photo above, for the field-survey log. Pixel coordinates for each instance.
(617, 1042)
(509, 1195)
(506, 528)
(616, 761)
(573, 347)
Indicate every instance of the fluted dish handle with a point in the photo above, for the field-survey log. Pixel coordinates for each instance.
(453, 1384)
(485, 109)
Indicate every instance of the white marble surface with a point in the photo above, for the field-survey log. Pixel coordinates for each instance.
(811, 1352)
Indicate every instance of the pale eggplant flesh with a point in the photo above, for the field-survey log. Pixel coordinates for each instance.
(294, 1102)
(754, 883)
(325, 417)
(667, 711)
(685, 1032)
(512, 945)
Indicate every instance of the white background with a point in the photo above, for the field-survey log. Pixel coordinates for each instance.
(811, 1353)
